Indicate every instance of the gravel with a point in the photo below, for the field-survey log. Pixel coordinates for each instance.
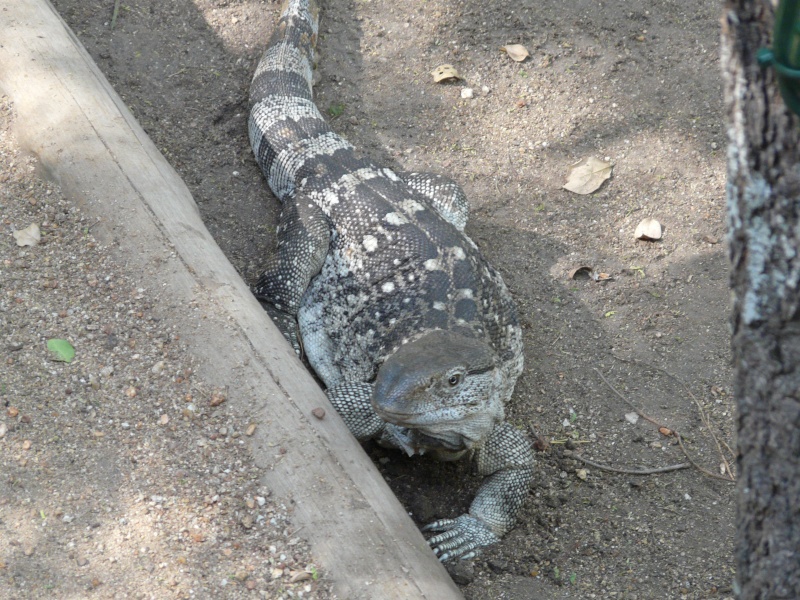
(123, 471)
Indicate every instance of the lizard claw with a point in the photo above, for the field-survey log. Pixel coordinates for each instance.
(462, 537)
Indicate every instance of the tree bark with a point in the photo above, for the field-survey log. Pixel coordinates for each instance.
(763, 197)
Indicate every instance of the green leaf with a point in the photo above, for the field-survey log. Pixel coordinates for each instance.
(62, 350)
(336, 109)
(610, 314)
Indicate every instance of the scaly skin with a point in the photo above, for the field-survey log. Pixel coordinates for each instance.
(413, 333)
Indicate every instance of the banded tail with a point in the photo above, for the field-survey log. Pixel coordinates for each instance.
(286, 129)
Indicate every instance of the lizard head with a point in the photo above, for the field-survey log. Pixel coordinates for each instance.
(444, 387)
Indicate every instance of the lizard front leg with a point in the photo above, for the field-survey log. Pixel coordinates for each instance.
(303, 242)
(506, 460)
(352, 401)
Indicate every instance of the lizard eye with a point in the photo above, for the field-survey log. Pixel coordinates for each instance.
(454, 379)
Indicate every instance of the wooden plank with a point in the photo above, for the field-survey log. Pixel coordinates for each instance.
(71, 118)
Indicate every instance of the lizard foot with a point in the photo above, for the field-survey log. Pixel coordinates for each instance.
(460, 538)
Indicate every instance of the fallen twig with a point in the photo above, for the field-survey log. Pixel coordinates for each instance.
(668, 431)
(703, 416)
(628, 402)
(115, 14)
(652, 471)
(705, 472)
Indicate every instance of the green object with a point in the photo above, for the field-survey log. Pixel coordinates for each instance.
(784, 56)
(336, 110)
(62, 350)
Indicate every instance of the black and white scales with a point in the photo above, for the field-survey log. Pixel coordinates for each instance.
(413, 333)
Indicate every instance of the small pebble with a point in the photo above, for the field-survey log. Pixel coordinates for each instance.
(467, 93)
(319, 412)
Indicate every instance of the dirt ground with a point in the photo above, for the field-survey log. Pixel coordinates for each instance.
(638, 86)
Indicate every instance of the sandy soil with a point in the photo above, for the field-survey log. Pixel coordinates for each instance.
(638, 87)
(125, 474)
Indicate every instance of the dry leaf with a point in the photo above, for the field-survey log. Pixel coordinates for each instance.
(589, 272)
(516, 52)
(445, 73)
(299, 576)
(587, 175)
(582, 474)
(30, 236)
(580, 272)
(648, 229)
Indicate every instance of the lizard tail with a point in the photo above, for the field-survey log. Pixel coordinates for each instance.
(287, 65)
(286, 129)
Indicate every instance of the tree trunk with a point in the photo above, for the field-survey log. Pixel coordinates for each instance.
(763, 198)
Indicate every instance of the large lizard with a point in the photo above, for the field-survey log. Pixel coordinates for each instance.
(413, 333)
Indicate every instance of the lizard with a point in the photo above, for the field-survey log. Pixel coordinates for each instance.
(414, 335)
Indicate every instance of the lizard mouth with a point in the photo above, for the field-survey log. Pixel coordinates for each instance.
(416, 420)
(429, 430)
(416, 441)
